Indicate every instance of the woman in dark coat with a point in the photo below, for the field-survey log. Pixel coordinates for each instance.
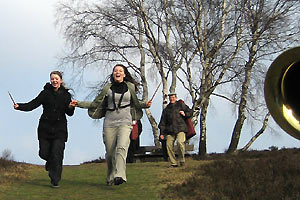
(52, 128)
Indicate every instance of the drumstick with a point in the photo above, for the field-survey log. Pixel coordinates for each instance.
(155, 91)
(12, 99)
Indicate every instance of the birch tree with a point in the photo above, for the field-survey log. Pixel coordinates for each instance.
(102, 35)
(267, 25)
(144, 34)
(215, 29)
(201, 45)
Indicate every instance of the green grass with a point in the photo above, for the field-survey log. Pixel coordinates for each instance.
(86, 182)
(252, 175)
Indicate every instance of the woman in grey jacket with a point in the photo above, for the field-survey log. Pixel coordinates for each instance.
(120, 107)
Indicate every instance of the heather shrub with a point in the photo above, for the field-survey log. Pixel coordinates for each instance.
(6, 159)
(251, 175)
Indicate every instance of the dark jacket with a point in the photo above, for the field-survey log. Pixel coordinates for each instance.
(171, 121)
(53, 122)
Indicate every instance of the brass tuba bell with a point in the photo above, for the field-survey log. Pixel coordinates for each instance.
(281, 91)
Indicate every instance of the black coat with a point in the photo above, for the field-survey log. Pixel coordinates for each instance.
(171, 121)
(53, 122)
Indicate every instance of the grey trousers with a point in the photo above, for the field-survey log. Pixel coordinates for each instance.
(116, 142)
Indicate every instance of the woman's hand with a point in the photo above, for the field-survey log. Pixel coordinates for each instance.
(16, 106)
(162, 137)
(149, 103)
(73, 103)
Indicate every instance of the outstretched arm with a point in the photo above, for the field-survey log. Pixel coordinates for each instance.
(81, 104)
(33, 104)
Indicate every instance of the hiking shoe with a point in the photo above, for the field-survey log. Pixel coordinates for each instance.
(54, 185)
(118, 181)
(173, 166)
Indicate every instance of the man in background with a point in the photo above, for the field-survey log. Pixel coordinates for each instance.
(173, 127)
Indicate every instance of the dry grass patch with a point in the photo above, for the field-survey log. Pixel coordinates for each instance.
(251, 175)
(180, 175)
(11, 171)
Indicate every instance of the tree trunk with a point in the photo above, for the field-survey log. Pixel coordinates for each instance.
(154, 127)
(236, 133)
(202, 140)
(242, 107)
(263, 128)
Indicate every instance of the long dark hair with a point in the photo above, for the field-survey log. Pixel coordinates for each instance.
(63, 85)
(60, 74)
(127, 77)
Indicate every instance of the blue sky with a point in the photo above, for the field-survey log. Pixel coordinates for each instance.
(29, 46)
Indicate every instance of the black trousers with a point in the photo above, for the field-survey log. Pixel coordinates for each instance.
(52, 151)
(133, 147)
(164, 149)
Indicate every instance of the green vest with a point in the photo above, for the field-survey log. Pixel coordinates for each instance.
(97, 108)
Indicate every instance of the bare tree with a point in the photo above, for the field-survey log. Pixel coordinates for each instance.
(267, 25)
(214, 26)
(261, 131)
(7, 155)
(103, 35)
(202, 44)
(139, 33)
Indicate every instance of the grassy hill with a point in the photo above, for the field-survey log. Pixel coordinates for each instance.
(251, 175)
